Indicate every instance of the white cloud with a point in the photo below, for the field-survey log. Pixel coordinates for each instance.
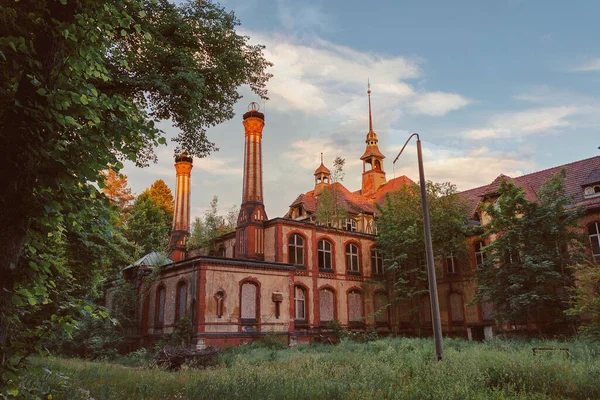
(216, 166)
(543, 120)
(591, 65)
(438, 103)
(321, 78)
(465, 168)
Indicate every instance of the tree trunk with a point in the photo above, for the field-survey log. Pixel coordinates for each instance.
(12, 235)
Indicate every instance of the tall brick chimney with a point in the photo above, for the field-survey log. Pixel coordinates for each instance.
(252, 217)
(181, 216)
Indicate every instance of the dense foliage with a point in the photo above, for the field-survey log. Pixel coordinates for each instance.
(527, 268)
(206, 230)
(401, 235)
(392, 368)
(82, 84)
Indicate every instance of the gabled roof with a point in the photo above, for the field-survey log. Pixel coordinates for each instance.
(577, 174)
(353, 202)
(152, 259)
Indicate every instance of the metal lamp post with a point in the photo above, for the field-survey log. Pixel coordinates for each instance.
(433, 295)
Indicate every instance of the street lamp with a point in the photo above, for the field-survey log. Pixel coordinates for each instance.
(433, 296)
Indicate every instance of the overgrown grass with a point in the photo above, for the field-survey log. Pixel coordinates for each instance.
(397, 368)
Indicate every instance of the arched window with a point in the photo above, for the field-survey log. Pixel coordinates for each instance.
(594, 231)
(456, 307)
(299, 304)
(352, 265)
(381, 306)
(220, 303)
(376, 262)
(479, 254)
(296, 249)
(355, 307)
(181, 303)
(249, 303)
(161, 293)
(324, 254)
(326, 305)
(425, 311)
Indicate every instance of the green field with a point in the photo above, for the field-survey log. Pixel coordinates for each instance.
(396, 368)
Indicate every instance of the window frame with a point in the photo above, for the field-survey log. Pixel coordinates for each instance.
(594, 237)
(479, 253)
(304, 301)
(353, 225)
(294, 248)
(159, 311)
(454, 262)
(255, 320)
(377, 263)
(349, 259)
(322, 255)
(178, 302)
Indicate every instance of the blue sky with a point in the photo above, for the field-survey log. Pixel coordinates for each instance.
(505, 86)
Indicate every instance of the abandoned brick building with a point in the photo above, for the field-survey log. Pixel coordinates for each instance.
(292, 276)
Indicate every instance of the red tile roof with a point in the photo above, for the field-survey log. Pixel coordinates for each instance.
(578, 174)
(352, 202)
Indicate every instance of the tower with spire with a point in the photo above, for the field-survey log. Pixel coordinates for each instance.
(322, 178)
(373, 174)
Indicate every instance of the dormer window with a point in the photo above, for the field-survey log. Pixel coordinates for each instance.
(591, 191)
(350, 224)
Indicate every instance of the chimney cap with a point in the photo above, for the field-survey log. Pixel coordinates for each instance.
(253, 111)
(183, 157)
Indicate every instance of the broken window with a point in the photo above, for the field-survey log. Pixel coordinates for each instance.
(299, 303)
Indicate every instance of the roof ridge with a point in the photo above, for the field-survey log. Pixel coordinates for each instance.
(558, 166)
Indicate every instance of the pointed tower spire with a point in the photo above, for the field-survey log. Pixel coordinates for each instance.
(373, 173)
(322, 178)
(370, 115)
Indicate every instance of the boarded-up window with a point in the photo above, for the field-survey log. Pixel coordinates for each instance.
(160, 305)
(249, 307)
(299, 304)
(355, 306)
(326, 305)
(486, 309)
(425, 309)
(220, 300)
(456, 307)
(181, 300)
(380, 303)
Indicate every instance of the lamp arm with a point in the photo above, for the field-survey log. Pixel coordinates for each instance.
(407, 140)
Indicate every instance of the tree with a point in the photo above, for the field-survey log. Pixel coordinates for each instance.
(148, 225)
(585, 298)
(526, 271)
(162, 195)
(82, 83)
(401, 236)
(206, 231)
(115, 188)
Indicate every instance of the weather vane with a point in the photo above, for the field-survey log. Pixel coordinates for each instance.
(254, 106)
